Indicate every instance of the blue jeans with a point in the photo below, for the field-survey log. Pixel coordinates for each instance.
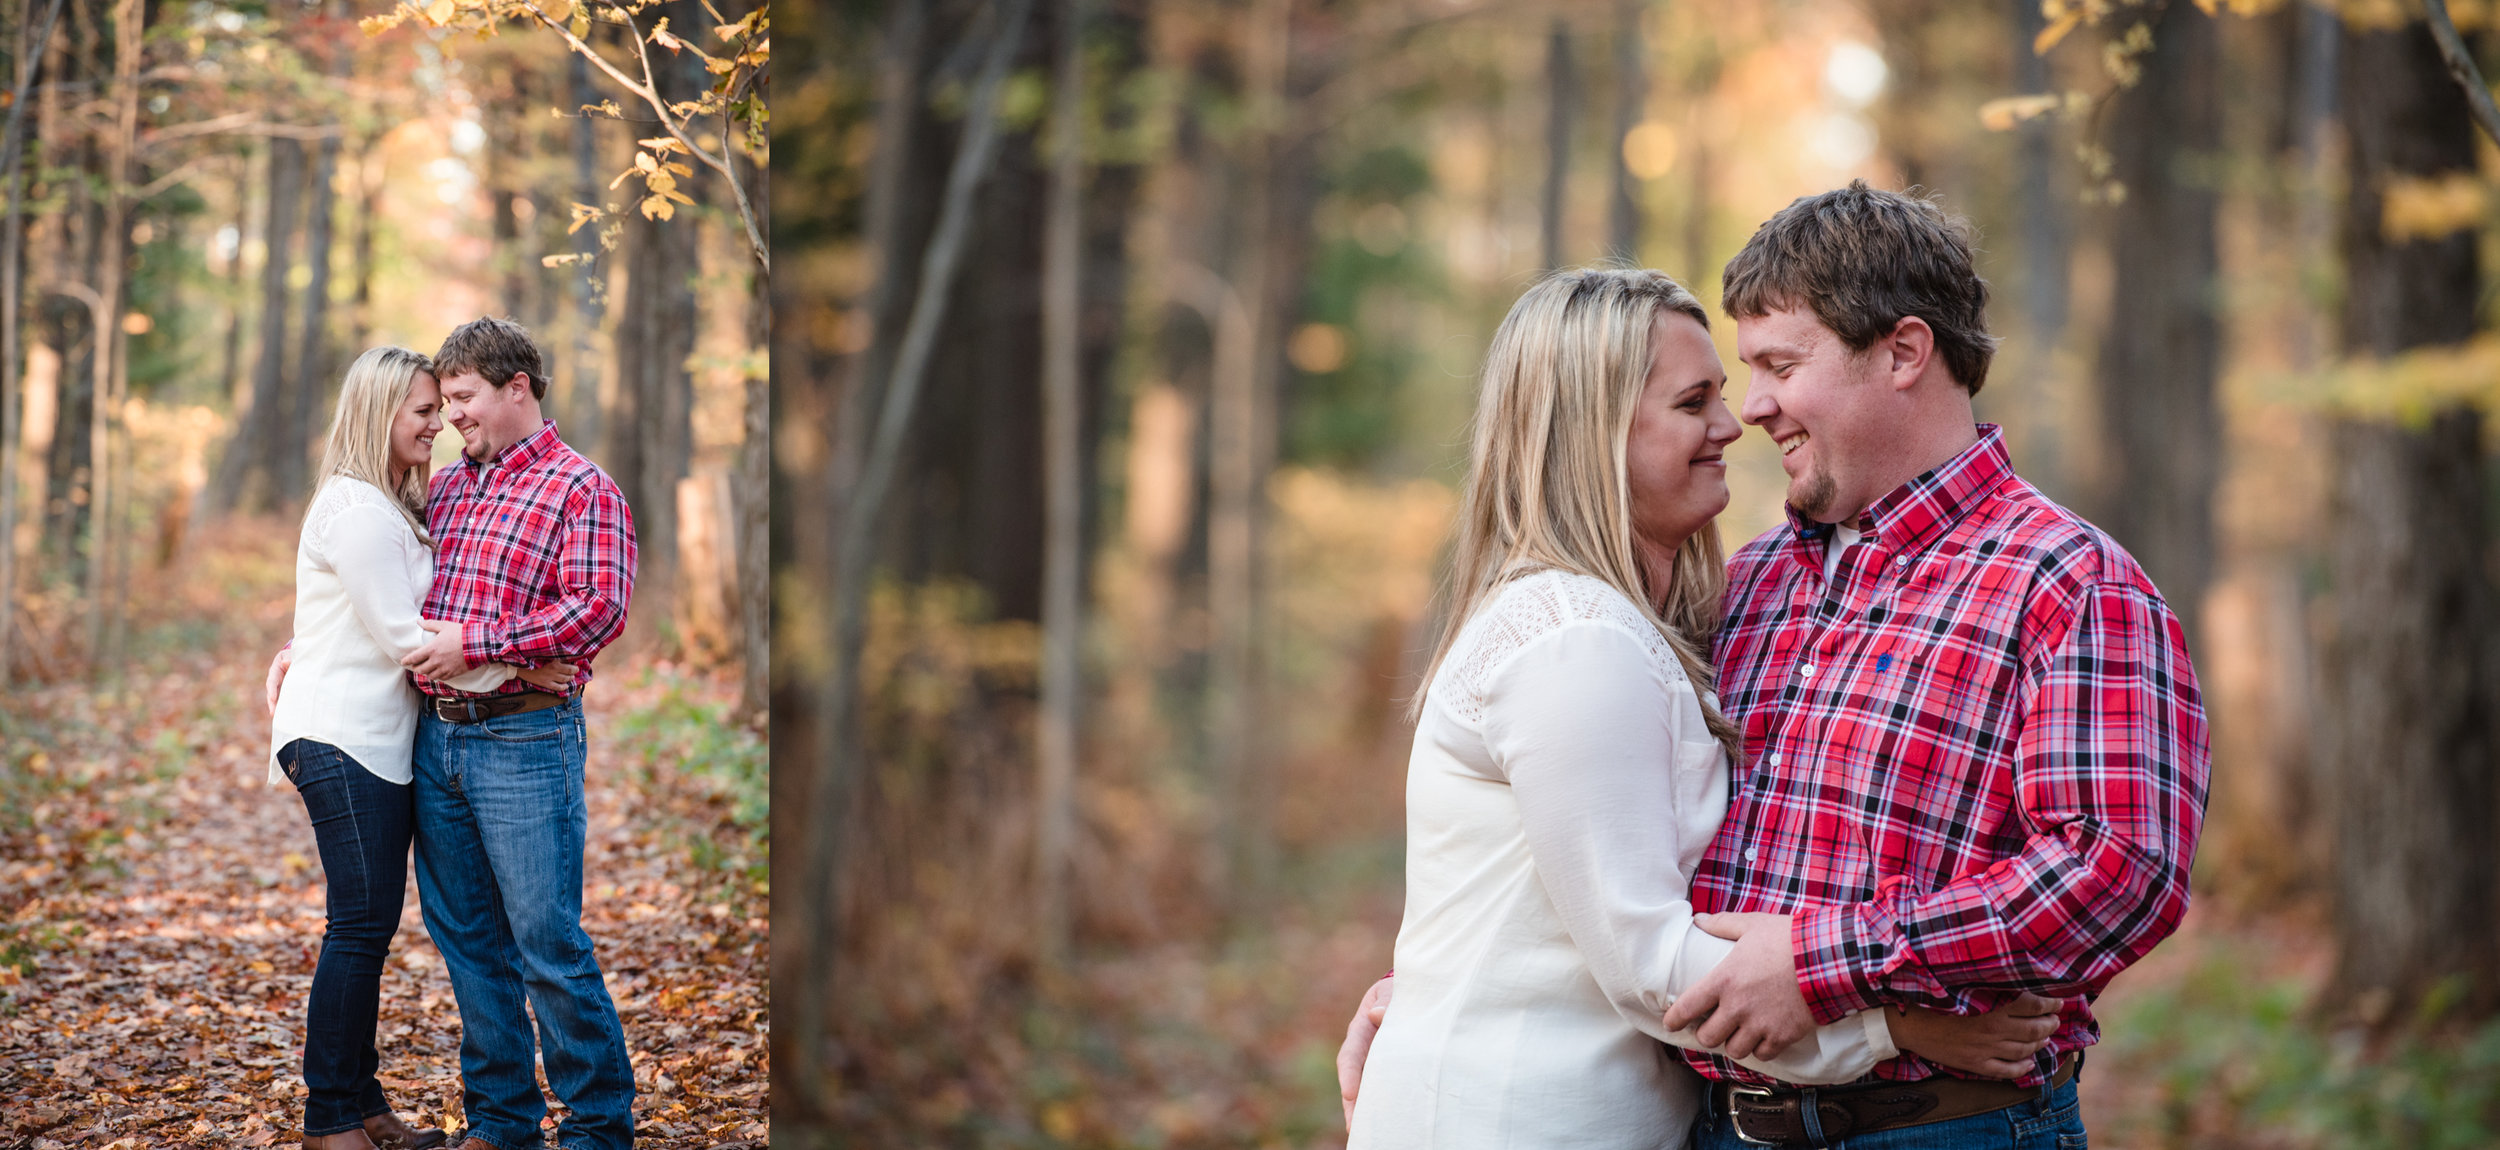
(2052, 1123)
(500, 827)
(360, 824)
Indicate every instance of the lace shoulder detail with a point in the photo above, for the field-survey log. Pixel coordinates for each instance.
(1526, 610)
(340, 494)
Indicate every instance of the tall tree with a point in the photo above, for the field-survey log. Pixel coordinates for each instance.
(2162, 351)
(1623, 203)
(112, 341)
(1063, 616)
(248, 478)
(1562, 93)
(27, 59)
(313, 359)
(589, 302)
(2408, 753)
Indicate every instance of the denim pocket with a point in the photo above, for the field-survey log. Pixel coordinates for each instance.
(2055, 1121)
(530, 727)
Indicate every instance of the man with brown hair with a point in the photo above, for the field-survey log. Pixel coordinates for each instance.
(1975, 755)
(534, 562)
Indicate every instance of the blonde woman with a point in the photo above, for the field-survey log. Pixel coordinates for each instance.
(345, 717)
(1570, 761)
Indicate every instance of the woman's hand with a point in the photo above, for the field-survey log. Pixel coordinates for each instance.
(1998, 1044)
(554, 678)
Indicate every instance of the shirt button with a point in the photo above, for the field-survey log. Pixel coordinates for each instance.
(1806, 672)
(1774, 760)
(1749, 854)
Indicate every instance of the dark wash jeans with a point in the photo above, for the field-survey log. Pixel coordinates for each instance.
(2053, 1122)
(500, 830)
(361, 823)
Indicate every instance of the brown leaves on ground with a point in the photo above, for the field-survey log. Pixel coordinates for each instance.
(161, 906)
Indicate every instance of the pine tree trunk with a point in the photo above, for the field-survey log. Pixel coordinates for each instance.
(1562, 91)
(2162, 353)
(314, 361)
(245, 479)
(2410, 726)
(1623, 204)
(2406, 736)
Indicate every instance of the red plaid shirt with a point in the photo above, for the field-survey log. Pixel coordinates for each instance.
(1976, 763)
(535, 552)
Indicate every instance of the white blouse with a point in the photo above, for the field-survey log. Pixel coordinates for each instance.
(1563, 787)
(360, 580)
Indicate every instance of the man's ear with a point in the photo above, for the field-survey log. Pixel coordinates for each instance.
(1908, 349)
(519, 377)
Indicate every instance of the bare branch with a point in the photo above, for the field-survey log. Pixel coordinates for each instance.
(2461, 66)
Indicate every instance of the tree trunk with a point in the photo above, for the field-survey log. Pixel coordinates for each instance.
(1562, 89)
(2408, 743)
(1063, 618)
(314, 363)
(2162, 352)
(753, 493)
(2411, 730)
(246, 481)
(111, 342)
(589, 302)
(230, 361)
(2042, 226)
(650, 436)
(32, 36)
(1623, 204)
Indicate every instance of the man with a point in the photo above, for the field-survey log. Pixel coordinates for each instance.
(534, 561)
(1976, 758)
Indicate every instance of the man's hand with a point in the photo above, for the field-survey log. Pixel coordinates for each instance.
(442, 657)
(1748, 1006)
(1358, 1043)
(277, 674)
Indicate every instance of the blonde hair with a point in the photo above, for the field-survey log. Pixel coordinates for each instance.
(1547, 479)
(359, 446)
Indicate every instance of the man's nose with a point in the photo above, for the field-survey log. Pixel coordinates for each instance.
(1760, 407)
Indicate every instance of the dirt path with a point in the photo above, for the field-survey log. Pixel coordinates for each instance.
(161, 911)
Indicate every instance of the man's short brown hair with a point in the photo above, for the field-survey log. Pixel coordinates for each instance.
(496, 349)
(1863, 259)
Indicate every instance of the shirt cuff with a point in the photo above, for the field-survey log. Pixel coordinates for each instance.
(1878, 1024)
(483, 643)
(1837, 967)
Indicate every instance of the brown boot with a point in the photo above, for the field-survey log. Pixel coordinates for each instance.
(343, 1140)
(390, 1132)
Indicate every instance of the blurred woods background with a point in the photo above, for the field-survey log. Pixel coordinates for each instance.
(220, 205)
(1126, 351)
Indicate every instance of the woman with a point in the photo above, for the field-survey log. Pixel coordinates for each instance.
(1571, 764)
(346, 716)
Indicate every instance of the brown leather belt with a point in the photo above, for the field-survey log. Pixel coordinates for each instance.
(1777, 1115)
(494, 706)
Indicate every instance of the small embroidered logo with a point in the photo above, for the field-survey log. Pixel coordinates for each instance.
(1883, 662)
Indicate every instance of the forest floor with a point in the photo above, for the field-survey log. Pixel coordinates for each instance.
(161, 905)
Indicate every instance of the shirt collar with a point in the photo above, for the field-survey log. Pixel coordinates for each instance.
(520, 456)
(1919, 512)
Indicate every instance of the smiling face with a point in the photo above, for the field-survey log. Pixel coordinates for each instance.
(1681, 425)
(1825, 406)
(489, 418)
(416, 423)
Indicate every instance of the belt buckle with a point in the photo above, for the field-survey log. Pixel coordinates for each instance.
(1736, 1121)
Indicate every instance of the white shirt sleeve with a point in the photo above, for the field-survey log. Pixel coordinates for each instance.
(367, 546)
(1584, 724)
